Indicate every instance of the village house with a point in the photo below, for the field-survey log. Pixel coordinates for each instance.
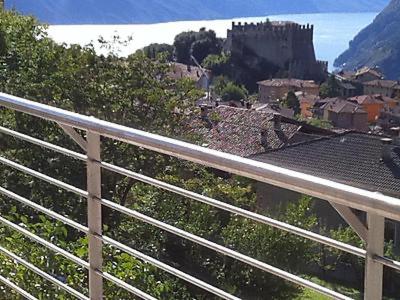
(388, 88)
(374, 104)
(344, 114)
(389, 118)
(275, 89)
(347, 89)
(366, 74)
(179, 71)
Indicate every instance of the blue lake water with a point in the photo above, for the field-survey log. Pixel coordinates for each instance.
(332, 34)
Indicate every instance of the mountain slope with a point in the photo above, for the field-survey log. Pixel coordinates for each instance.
(378, 44)
(151, 11)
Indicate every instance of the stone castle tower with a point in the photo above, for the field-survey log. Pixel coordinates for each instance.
(286, 45)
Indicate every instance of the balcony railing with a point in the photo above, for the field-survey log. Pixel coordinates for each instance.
(342, 197)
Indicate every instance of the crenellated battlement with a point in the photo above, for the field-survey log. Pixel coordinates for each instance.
(278, 26)
(272, 31)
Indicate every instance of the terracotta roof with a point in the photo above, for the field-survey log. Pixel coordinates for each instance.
(245, 132)
(366, 70)
(179, 71)
(346, 74)
(305, 98)
(296, 83)
(350, 158)
(338, 105)
(369, 99)
(384, 83)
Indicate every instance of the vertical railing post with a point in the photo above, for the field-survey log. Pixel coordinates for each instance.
(373, 284)
(94, 216)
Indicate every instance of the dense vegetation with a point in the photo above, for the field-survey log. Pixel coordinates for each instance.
(133, 92)
(377, 45)
(144, 11)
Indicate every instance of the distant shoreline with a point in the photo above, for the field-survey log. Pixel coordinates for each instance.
(207, 19)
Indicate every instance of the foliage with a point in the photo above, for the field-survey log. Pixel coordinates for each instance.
(219, 64)
(233, 92)
(321, 123)
(292, 102)
(330, 88)
(199, 44)
(153, 50)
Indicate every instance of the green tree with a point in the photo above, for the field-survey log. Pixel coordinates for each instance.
(233, 92)
(291, 101)
(219, 64)
(330, 88)
(153, 50)
(199, 44)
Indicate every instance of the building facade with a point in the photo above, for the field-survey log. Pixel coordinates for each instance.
(274, 89)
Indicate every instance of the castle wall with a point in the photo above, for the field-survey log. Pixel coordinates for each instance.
(286, 45)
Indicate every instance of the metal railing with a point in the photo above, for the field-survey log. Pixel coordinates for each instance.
(377, 206)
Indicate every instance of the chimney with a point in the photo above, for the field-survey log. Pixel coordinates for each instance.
(386, 150)
(264, 138)
(277, 122)
(395, 132)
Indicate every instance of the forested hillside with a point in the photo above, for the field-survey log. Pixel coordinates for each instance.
(142, 11)
(378, 44)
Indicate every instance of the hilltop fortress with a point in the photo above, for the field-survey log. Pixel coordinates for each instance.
(285, 45)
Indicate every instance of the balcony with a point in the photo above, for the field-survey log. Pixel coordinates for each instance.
(378, 207)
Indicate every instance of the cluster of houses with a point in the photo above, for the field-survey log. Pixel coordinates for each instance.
(365, 100)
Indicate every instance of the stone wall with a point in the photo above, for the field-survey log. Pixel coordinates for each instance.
(284, 44)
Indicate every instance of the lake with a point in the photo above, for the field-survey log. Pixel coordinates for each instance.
(333, 32)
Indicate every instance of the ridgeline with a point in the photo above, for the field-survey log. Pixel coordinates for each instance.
(154, 11)
(377, 45)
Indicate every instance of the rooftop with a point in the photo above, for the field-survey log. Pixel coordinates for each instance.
(384, 83)
(245, 132)
(179, 71)
(297, 83)
(350, 158)
(339, 105)
(370, 99)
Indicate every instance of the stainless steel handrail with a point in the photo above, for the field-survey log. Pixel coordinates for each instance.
(376, 203)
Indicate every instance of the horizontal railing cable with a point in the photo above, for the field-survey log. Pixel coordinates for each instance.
(43, 274)
(45, 243)
(44, 210)
(201, 198)
(122, 247)
(387, 262)
(72, 257)
(42, 143)
(43, 177)
(125, 286)
(16, 288)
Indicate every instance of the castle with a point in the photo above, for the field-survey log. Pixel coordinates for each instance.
(287, 45)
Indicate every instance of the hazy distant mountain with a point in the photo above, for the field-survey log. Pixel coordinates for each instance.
(151, 11)
(378, 44)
